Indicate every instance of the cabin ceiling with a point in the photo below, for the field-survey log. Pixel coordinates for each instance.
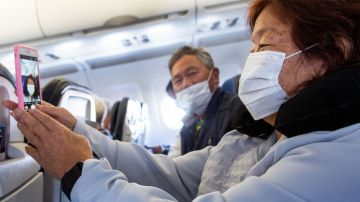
(36, 19)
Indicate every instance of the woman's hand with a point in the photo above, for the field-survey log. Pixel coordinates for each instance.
(58, 113)
(56, 148)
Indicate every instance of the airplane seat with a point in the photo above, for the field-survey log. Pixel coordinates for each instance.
(127, 121)
(78, 100)
(231, 85)
(20, 179)
(118, 126)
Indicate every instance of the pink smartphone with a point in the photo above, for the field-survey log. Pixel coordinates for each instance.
(28, 88)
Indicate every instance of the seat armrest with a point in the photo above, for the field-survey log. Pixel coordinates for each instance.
(16, 170)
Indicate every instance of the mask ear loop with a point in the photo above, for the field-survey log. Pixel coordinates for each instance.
(300, 51)
(211, 71)
(209, 77)
(296, 53)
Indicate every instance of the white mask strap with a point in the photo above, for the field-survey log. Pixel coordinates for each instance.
(289, 56)
(211, 71)
(300, 51)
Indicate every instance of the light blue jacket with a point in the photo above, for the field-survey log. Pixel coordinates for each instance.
(319, 166)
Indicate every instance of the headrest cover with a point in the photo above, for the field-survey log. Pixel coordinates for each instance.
(52, 92)
(329, 104)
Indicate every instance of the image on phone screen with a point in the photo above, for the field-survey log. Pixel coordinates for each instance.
(30, 81)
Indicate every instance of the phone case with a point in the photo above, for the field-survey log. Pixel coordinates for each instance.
(19, 88)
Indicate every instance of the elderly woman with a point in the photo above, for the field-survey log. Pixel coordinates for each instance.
(302, 76)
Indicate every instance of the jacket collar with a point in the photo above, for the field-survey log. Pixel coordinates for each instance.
(330, 103)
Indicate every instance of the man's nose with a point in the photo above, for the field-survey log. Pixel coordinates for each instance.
(186, 83)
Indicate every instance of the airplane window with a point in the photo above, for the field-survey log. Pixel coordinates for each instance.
(171, 114)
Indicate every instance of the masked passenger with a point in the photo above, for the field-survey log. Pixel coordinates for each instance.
(303, 76)
(209, 110)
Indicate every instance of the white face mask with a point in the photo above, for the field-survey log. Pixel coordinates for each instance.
(259, 87)
(195, 98)
(31, 89)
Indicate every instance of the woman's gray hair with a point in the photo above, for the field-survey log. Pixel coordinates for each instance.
(200, 53)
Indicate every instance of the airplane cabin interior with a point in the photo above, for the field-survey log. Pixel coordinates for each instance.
(118, 51)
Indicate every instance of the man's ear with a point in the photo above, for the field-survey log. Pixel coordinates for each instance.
(214, 79)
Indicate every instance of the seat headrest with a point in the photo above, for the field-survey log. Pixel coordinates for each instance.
(4, 72)
(118, 116)
(53, 91)
(231, 85)
(78, 99)
(8, 84)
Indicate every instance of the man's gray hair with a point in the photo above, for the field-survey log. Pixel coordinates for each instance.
(200, 53)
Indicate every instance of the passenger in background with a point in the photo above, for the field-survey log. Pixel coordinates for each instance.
(107, 118)
(102, 115)
(202, 128)
(101, 110)
(209, 110)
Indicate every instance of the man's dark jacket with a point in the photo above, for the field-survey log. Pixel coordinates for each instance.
(219, 115)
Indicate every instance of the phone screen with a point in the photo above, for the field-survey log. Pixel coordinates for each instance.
(30, 81)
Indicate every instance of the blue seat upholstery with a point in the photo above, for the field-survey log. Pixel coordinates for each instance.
(231, 85)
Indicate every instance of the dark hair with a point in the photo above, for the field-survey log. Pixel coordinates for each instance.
(200, 53)
(36, 85)
(332, 24)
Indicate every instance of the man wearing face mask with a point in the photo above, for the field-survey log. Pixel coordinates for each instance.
(209, 110)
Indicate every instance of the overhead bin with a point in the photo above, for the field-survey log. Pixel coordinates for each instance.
(216, 15)
(63, 16)
(219, 5)
(18, 21)
(24, 20)
(221, 21)
(223, 38)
